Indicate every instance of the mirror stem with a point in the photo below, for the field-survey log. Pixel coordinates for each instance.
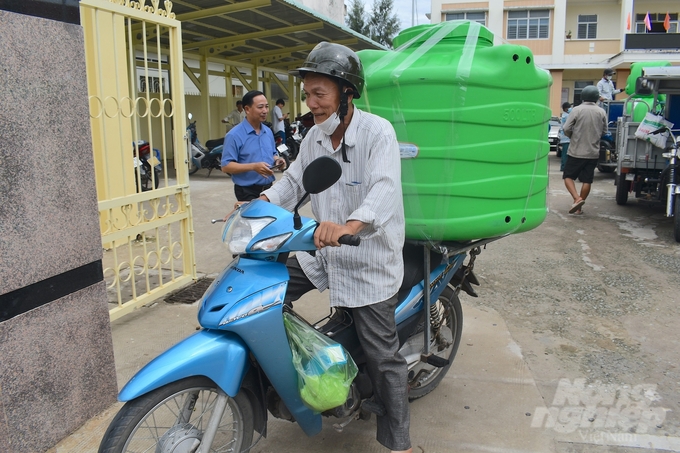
(297, 222)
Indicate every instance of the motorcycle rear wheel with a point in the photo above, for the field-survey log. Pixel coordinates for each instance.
(446, 326)
(151, 422)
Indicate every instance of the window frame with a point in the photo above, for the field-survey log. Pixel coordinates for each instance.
(465, 16)
(588, 25)
(522, 25)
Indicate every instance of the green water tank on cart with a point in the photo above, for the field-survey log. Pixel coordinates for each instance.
(472, 122)
(641, 108)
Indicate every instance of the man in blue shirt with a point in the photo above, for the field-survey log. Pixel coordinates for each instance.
(249, 153)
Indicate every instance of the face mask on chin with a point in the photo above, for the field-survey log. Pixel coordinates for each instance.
(330, 125)
(609, 78)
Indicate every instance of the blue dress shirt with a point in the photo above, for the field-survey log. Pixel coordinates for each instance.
(244, 146)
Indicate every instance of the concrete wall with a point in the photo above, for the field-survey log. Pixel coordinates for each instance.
(56, 354)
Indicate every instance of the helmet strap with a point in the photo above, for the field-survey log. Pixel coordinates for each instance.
(344, 108)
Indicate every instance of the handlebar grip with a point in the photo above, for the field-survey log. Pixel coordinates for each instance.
(349, 239)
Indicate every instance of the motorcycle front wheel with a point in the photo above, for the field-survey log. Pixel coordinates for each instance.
(446, 326)
(174, 417)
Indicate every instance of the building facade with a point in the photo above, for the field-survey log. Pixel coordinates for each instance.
(577, 39)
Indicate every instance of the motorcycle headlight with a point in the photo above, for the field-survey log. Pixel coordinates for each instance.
(239, 231)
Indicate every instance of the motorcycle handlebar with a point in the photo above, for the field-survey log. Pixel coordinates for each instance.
(349, 239)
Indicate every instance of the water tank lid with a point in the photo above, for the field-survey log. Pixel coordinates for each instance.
(451, 30)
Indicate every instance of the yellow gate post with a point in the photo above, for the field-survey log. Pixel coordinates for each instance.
(136, 91)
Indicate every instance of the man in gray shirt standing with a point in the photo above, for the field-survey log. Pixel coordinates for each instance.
(606, 87)
(584, 127)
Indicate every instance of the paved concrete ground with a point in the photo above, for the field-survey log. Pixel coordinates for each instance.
(487, 403)
(484, 404)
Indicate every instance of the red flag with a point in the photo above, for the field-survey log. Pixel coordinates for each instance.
(628, 22)
(648, 22)
(667, 21)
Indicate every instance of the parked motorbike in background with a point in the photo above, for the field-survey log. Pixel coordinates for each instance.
(148, 166)
(213, 390)
(282, 148)
(608, 154)
(200, 156)
(293, 139)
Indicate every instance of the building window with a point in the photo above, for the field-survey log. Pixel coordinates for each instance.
(531, 24)
(579, 85)
(155, 84)
(587, 26)
(656, 21)
(477, 16)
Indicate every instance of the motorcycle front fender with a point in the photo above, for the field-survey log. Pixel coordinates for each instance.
(218, 355)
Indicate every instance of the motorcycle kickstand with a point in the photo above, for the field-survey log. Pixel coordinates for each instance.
(340, 426)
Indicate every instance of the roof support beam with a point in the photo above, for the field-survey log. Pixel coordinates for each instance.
(273, 55)
(190, 72)
(284, 88)
(230, 8)
(243, 80)
(260, 34)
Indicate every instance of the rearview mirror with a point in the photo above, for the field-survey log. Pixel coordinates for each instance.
(322, 173)
(319, 175)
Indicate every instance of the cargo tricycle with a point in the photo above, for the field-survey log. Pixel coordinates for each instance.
(644, 169)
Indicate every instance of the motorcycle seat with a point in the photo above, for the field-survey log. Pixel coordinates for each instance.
(210, 144)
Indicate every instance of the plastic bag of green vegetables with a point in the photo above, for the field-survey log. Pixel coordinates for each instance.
(325, 370)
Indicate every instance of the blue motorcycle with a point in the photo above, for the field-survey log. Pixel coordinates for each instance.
(214, 390)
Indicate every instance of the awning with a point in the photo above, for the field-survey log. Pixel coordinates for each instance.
(276, 34)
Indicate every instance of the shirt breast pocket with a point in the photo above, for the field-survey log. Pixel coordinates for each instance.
(353, 195)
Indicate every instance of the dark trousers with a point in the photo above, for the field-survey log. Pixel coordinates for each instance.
(249, 193)
(387, 369)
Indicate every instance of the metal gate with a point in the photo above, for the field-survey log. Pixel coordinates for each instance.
(136, 92)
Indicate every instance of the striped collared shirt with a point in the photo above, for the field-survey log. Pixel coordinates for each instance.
(369, 190)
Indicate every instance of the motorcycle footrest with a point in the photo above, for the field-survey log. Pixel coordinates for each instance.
(374, 408)
(436, 361)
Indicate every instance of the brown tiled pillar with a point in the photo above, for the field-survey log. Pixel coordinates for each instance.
(56, 354)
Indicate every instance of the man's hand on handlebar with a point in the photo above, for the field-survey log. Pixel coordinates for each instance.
(329, 233)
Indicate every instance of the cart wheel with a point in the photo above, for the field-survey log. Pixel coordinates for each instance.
(676, 218)
(622, 189)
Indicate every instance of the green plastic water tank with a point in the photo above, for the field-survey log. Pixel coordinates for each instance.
(642, 108)
(471, 119)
